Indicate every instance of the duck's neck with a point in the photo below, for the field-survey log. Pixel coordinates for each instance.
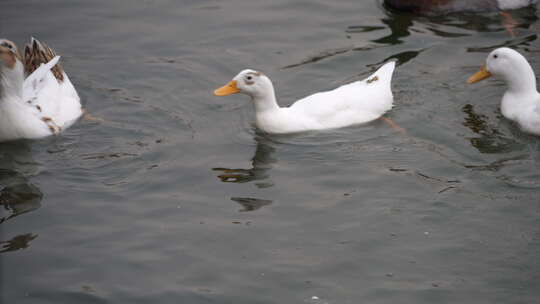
(265, 101)
(11, 81)
(521, 80)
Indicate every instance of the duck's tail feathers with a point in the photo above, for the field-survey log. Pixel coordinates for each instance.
(387, 69)
(383, 74)
(37, 53)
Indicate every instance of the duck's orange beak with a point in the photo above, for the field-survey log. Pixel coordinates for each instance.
(480, 75)
(228, 89)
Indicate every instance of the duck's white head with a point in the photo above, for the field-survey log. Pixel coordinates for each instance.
(11, 69)
(509, 65)
(250, 82)
(9, 54)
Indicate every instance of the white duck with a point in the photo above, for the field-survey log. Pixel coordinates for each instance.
(521, 101)
(354, 103)
(42, 104)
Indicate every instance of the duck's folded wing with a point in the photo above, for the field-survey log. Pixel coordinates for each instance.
(38, 80)
(45, 77)
(41, 89)
(48, 87)
(357, 102)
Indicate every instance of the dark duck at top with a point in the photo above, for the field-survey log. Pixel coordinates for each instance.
(434, 7)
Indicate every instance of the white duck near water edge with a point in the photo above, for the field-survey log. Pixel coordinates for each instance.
(521, 101)
(37, 98)
(353, 103)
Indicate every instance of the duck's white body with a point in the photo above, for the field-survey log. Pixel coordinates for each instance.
(354, 103)
(521, 101)
(38, 105)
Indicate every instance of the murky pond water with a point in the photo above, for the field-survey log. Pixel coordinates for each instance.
(175, 197)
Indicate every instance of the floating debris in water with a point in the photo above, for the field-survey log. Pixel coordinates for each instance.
(316, 300)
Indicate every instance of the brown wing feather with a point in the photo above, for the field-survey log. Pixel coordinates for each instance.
(37, 53)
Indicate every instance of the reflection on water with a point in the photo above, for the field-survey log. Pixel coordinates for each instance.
(520, 151)
(398, 24)
(490, 139)
(251, 204)
(17, 194)
(512, 43)
(498, 164)
(261, 163)
(17, 243)
(403, 24)
(320, 55)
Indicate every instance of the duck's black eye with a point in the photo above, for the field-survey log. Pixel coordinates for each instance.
(249, 78)
(495, 56)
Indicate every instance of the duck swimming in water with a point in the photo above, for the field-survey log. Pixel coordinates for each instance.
(37, 98)
(353, 103)
(521, 101)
